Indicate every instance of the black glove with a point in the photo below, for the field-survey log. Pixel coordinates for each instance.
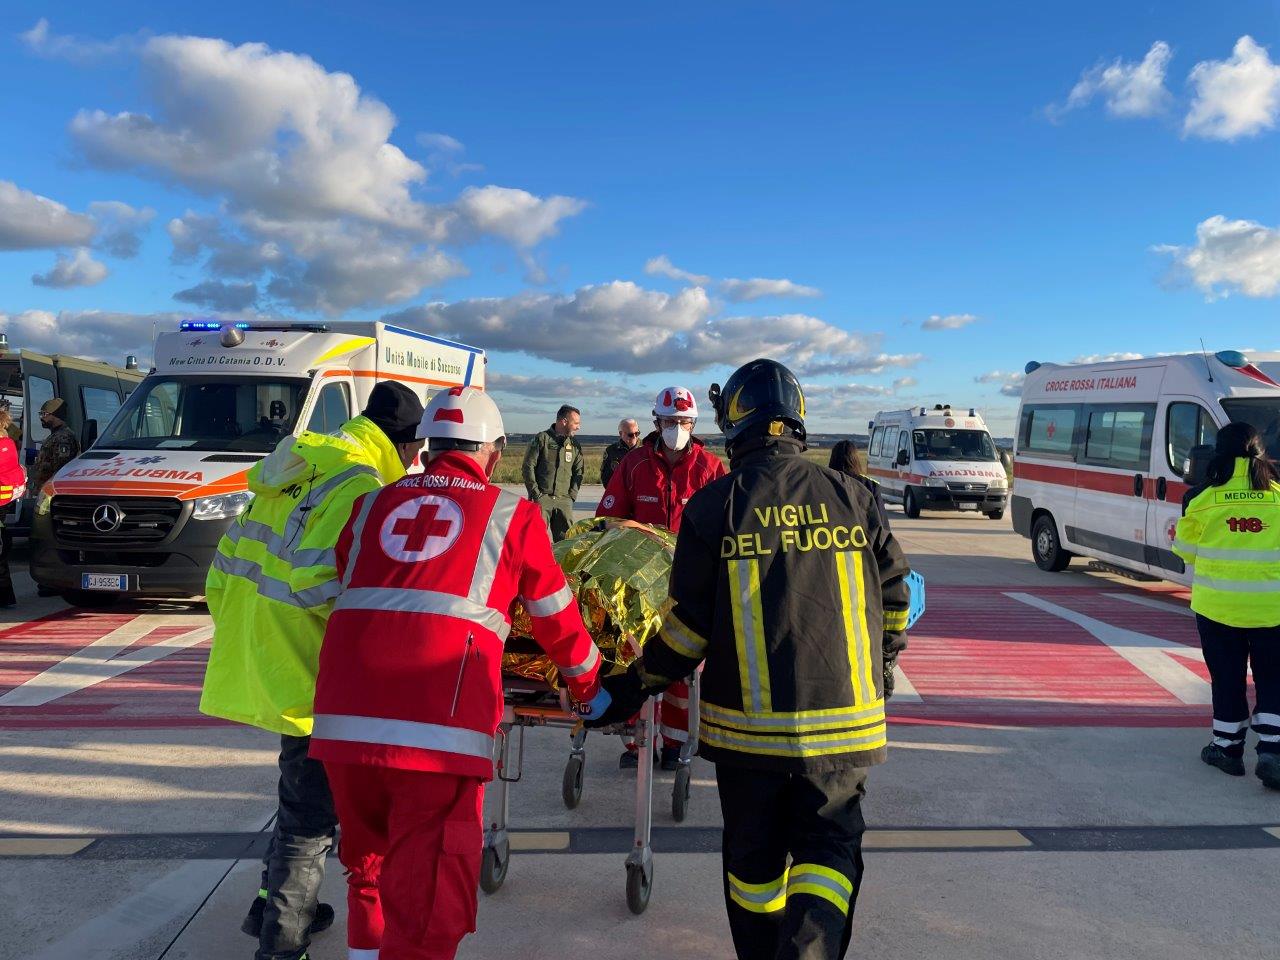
(888, 680)
(628, 697)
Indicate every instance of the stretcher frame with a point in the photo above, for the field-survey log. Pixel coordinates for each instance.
(528, 703)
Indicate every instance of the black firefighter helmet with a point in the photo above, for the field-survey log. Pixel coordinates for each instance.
(757, 395)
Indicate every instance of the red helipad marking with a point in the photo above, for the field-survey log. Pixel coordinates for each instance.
(978, 657)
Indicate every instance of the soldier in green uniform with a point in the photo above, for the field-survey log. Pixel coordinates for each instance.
(58, 449)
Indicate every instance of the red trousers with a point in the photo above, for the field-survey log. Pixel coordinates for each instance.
(671, 716)
(411, 844)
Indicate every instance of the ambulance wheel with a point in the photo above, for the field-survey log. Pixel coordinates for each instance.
(680, 795)
(90, 600)
(996, 515)
(910, 505)
(639, 886)
(571, 783)
(1046, 548)
(493, 871)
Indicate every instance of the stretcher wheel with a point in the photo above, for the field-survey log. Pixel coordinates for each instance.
(493, 870)
(571, 783)
(680, 794)
(639, 886)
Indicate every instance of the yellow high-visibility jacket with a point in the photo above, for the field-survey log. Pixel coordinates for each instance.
(274, 580)
(1231, 536)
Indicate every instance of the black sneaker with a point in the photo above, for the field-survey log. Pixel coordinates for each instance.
(629, 760)
(252, 924)
(670, 758)
(1268, 770)
(1216, 756)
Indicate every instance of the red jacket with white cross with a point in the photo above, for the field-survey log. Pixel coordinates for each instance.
(411, 665)
(646, 488)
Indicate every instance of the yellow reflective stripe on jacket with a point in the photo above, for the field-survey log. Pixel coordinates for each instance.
(825, 743)
(748, 634)
(853, 606)
(819, 881)
(677, 635)
(895, 621)
(769, 897)
(803, 721)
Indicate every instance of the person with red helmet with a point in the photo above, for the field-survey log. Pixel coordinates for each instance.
(652, 485)
(409, 693)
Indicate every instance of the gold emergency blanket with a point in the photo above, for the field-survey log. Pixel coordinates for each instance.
(618, 569)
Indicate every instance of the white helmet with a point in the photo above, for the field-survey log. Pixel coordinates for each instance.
(675, 402)
(461, 418)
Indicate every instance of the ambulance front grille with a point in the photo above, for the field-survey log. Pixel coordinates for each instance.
(960, 486)
(141, 519)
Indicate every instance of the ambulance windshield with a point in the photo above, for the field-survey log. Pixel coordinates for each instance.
(1263, 413)
(249, 414)
(953, 445)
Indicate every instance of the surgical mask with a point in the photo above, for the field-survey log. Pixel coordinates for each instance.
(676, 437)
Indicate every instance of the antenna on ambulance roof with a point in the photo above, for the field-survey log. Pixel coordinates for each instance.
(1205, 353)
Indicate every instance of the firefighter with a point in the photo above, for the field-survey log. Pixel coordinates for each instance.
(1229, 537)
(409, 694)
(652, 485)
(271, 591)
(791, 590)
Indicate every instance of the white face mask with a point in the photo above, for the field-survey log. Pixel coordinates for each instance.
(677, 437)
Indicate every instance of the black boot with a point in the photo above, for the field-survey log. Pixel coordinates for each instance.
(252, 924)
(670, 758)
(629, 760)
(1216, 756)
(1268, 770)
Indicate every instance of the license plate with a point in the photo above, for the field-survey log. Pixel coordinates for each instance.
(117, 582)
(967, 506)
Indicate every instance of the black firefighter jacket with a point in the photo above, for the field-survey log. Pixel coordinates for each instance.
(791, 589)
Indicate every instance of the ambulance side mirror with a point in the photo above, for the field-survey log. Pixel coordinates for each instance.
(1197, 464)
(904, 458)
(1006, 460)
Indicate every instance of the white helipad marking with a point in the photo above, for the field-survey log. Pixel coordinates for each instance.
(1153, 604)
(104, 659)
(904, 691)
(1152, 655)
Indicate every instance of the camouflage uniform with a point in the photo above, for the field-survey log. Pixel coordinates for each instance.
(59, 449)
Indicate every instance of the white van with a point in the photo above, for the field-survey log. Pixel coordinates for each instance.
(937, 460)
(142, 511)
(1102, 451)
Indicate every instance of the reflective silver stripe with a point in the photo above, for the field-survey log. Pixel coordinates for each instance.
(680, 703)
(1227, 743)
(1238, 586)
(759, 897)
(1181, 546)
(551, 604)
(671, 733)
(681, 639)
(785, 723)
(740, 583)
(275, 544)
(357, 532)
(791, 745)
(1264, 719)
(1227, 553)
(1233, 726)
(426, 601)
(585, 666)
(315, 496)
(820, 882)
(495, 535)
(402, 733)
(273, 588)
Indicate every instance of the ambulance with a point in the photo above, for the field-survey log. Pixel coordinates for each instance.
(1103, 451)
(937, 459)
(142, 511)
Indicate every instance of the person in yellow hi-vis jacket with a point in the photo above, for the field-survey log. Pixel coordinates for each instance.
(271, 590)
(1230, 535)
(792, 591)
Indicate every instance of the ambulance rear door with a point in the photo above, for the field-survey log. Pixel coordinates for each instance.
(1182, 422)
(39, 383)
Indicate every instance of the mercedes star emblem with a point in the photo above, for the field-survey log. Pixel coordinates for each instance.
(107, 517)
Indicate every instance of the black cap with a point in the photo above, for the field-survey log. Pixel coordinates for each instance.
(396, 409)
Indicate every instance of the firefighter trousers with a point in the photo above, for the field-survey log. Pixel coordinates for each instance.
(411, 844)
(1228, 653)
(792, 851)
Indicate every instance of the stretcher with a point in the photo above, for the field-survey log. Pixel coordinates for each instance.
(529, 703)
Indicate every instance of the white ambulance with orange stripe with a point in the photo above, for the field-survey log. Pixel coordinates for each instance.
(1102, 451)
(937, 459)
(141, 512)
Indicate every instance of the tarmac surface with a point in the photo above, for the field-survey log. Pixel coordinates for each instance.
(1043, 796)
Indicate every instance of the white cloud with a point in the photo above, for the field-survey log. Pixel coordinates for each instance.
(445, 153)
(661, 266)
(1107, 357)
(440, 142)
(516, 216)
(580, 391)
(622, 327)
(97, 334)
(77, 270)
(120, 226)
(29, 221)
(220, 295)
(1238, 97)
(951, 321)
(903, 383)
(870, 363)
(43, 42)
(1010, 383)
(1231, 256)
(740, 291)
(1128, 88)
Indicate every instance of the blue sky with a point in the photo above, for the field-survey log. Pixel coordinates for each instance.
(506, 174)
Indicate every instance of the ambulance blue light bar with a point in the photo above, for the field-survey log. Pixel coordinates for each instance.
(208, 325)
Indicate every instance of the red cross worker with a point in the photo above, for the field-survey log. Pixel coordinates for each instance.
(409, 694)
